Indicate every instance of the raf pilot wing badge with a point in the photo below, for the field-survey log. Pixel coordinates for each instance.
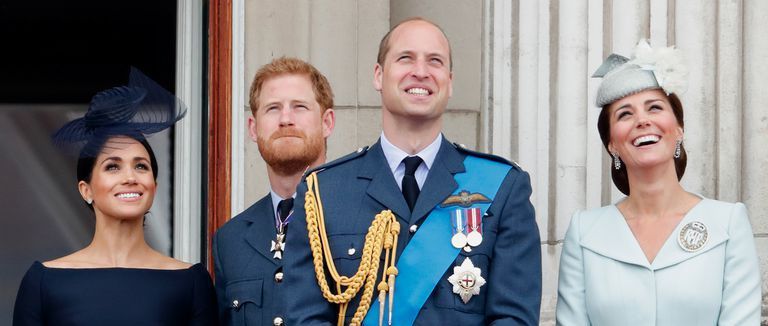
(464, 199)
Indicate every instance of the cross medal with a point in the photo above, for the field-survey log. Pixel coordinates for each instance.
(278, 245)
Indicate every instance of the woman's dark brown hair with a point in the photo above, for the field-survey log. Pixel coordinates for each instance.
(620, 178)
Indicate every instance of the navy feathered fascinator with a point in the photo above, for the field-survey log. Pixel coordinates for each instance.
(135, 110)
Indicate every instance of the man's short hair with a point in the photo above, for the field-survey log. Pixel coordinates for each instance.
(291, 66)
(384, 44)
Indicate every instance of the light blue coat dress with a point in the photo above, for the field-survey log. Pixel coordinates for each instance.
(605, 278)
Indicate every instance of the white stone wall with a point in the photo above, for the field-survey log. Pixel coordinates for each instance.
(522, 90)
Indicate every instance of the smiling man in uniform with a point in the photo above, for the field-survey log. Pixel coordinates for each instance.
(414, 229)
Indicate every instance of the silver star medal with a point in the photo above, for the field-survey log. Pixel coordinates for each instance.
(278, 245)
(466, 280)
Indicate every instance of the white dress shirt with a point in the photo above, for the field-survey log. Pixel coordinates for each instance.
(395, 158)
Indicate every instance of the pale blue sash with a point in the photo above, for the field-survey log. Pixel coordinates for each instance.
(430, 253)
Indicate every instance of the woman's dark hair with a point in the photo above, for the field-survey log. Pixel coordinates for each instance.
(86, 163)
(620, 178)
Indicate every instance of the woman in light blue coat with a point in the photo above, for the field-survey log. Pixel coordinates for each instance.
(662, 255)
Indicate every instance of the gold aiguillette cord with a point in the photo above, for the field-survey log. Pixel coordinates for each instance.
(382, 236)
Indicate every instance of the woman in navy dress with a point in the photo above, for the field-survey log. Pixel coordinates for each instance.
(118, 279)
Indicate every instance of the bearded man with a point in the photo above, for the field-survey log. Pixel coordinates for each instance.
(292, 116)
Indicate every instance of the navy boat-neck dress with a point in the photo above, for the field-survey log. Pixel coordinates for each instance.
(115, 296)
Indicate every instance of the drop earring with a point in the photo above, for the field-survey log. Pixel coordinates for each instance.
(616, 161)
(678, 150)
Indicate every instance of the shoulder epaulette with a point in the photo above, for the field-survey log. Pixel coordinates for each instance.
(462, 148)
(351, 156)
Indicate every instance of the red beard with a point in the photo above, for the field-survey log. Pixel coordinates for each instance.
(288, 156)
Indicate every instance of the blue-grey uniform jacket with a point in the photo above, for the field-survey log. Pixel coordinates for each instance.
(355, 188)
(249, 285)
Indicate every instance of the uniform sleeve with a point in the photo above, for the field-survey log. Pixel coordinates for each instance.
(741, 283)
(28, 308)
(204, 302)
(571, 300)
(221, 281)
(515, 295)
(305, 304)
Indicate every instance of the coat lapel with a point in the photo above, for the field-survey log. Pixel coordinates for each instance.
(611, 237)
(713, 216)
(261, 231)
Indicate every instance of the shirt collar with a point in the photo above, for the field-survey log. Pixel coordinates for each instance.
(276, 200)
(395, 155)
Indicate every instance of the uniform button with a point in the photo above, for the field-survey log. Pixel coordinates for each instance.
(278, 321)
(235, 303)
(351, 251)
(278, 277)
(413, 228)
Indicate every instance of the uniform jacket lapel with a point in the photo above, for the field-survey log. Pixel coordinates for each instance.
(440, 182)
(438, 185)
(261, 231)
(382, 186)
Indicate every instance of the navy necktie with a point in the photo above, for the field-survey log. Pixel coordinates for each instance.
(409, 185)
(284, 208)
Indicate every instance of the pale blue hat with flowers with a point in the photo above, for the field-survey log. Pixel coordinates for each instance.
(650, 68)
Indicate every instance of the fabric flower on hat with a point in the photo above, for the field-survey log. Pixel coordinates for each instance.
(649, 69)
(666, 64)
